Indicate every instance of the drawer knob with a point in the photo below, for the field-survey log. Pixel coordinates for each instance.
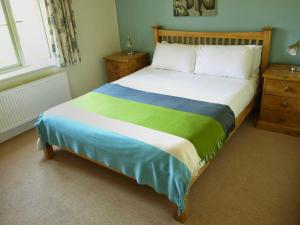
(281, 119)
(286, 89)
(284, 104)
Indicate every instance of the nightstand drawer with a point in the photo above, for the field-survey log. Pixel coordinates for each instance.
(281, 118)
(281, 103)
(116, 76)
(117, 67)
(282, 88)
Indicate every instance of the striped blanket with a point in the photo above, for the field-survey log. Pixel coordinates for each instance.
(161, 141)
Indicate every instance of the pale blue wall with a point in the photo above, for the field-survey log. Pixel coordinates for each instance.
(137, 16)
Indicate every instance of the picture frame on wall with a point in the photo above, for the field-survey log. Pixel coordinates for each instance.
(194, 7)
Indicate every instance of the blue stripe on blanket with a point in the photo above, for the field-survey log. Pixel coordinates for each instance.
(146, 163)
(222, 113)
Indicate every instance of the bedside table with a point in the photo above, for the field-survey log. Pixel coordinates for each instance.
(280, 107)
(121, 64)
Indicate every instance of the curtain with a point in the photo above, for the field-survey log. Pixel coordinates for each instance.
(62, 27)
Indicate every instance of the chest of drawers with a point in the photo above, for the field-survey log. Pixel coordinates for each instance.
(121, 64)
(280, 106)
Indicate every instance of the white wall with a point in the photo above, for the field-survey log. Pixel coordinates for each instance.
(97, 37)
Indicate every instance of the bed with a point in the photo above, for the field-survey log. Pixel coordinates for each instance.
(163, 136)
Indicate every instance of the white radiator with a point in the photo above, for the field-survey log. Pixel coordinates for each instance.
(20, 106)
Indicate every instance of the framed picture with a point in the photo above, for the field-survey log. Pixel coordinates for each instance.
(194, 7)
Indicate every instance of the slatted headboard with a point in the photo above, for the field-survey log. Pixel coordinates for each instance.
(219, 38)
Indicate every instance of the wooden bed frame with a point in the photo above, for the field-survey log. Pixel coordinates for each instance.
(214, 38)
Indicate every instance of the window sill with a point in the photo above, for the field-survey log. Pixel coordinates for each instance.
(26, 70)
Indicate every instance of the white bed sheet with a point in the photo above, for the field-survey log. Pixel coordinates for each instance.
(236, 93)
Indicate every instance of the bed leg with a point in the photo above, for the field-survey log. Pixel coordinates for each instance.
(48, 151)
(184, 215)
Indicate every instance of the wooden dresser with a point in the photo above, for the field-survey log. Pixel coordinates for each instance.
(121, 64)
(280, 107)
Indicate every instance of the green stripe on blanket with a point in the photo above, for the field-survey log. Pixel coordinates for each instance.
(206, 134)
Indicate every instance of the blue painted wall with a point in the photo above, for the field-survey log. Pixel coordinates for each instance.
(136, 17)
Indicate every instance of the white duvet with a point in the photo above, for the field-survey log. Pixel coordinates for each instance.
(236, 93)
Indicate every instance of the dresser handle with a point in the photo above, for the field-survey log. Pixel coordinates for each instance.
(284, 104)
(116, 67)
(286, 89)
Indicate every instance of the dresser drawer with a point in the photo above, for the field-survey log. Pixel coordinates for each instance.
(282, 88)
(281, 103)
(113, 76)
(281, 118)
(118, 67)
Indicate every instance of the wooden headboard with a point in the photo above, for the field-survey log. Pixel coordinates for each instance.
(219, 38)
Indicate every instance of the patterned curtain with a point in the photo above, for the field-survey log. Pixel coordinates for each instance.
(63, 32)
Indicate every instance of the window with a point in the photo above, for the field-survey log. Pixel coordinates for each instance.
(23, 34)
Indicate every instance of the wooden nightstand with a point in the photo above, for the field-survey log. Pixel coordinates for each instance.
(121, 64)
(280, 107)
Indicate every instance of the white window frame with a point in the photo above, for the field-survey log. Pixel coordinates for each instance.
(11, 24)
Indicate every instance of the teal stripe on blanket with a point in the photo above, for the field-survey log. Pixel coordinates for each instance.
(146, 163)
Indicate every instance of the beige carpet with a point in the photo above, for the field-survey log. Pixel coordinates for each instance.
(255, 180)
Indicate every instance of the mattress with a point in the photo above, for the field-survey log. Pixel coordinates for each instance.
(236, 93)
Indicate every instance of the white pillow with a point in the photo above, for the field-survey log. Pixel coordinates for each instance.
(177, 57)
(224, 60)
(256, 61)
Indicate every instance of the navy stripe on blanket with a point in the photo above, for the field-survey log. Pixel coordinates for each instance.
(222, 113)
